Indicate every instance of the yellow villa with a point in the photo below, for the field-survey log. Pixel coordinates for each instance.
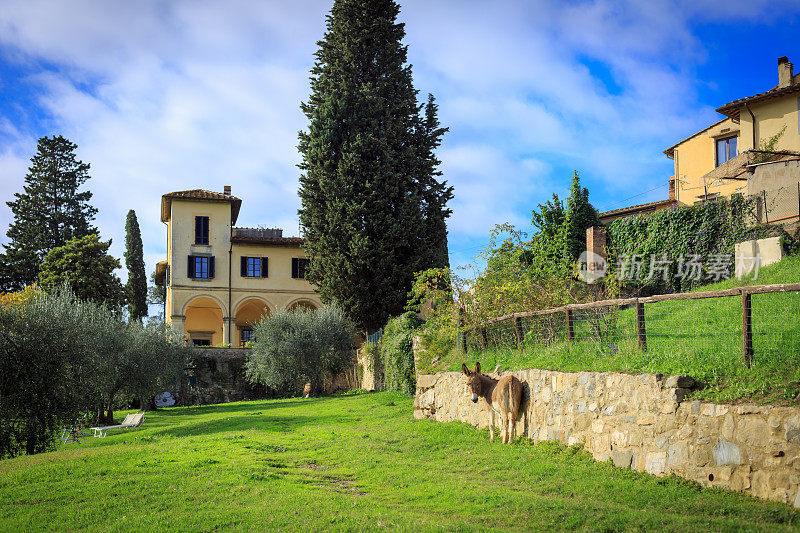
(717, 161)
(221, 279)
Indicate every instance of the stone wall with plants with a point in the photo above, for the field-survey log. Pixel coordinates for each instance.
(643, 422)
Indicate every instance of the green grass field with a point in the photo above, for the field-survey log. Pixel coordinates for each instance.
(702, 338)
(347, 463)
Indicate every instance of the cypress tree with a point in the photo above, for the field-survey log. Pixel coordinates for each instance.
(372, 207)
(48, 213)
(136, 288)
(579, 215)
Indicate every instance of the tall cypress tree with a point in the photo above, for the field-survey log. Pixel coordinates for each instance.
(136, 288)
(579, 215)
(435, 194)
(48, 213)
(373, 209)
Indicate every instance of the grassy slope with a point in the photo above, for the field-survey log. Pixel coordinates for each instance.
(701, 338)
(356, 462)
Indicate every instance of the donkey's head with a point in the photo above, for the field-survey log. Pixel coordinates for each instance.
(473, 380)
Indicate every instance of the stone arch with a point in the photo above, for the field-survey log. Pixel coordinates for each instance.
(249, 311)
(203, 321)
(302, 304)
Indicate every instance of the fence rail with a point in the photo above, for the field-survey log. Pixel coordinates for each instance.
(608, 320)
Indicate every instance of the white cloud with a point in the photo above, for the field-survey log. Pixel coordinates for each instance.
(163, 96)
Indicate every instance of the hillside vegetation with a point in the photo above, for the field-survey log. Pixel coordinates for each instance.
(347, 463)
(702, 338)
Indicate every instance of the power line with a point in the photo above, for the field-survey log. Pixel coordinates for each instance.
(634, 196)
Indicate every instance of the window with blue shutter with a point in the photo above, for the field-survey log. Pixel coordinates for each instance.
(201, 267)
(201, 230)
(254, 267)
(299, 267)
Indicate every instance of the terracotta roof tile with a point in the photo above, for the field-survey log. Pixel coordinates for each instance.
(633, 209)
(732, 109)
(199, 195)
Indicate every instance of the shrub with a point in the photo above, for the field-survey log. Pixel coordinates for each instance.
(293, 348)
(397, 351)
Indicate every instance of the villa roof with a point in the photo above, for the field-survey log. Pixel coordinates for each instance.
(732, 109)
(199, 195)
(272, 236)
(735, 168)
(639, 209)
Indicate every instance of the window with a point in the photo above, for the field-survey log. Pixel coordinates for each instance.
(726, 149)
(201, 342)
(299, 267)
(201, 230)
(255, 267)
(246, 335)
(201, 267)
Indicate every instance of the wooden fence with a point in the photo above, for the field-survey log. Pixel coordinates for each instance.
(568, 311)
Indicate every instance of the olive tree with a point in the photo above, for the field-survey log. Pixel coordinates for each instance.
(62, 356)
(295, 347)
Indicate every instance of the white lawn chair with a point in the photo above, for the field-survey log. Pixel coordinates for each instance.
(131, 421)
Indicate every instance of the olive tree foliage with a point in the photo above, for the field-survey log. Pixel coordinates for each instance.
(62, 356)
(292, 348)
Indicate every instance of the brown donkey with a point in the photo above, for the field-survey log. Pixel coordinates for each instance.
(503, 396)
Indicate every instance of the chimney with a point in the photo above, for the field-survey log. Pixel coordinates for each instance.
(785, 73)
(227, 190)
(672, 187)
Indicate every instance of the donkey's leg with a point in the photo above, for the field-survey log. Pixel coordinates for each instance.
(512, 429)
(504, 430)
(491, 425)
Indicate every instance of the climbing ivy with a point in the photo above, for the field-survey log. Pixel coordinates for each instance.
(709, 230)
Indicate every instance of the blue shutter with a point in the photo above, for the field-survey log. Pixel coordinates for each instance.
(243, 267)
(265, 267)
(211, 267)
(190, 270)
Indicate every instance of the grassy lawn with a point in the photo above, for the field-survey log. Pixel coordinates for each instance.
(702, 338)
(347, 462)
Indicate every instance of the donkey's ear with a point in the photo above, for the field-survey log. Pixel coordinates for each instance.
(465, 369)
(477, 368)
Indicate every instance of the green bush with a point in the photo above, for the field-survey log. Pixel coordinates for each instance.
(294, 348)
(397, 351)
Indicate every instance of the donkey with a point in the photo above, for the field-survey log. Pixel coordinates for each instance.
(503, 396)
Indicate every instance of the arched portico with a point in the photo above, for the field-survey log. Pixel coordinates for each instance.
(203, 325)
(248, 313)
(302, 305)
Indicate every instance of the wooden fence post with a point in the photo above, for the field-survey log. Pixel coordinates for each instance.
(570, 331)
(747, 328)
(518, 331)
(641, 332)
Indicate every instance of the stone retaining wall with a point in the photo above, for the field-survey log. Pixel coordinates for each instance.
(643, 422)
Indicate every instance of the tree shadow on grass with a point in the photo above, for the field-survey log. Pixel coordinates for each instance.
(256, 422)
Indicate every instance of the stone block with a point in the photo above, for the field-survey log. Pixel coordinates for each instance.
(426, 381)
(753, 431)
(622, 459)
(681, 381)
(427, 399)
(726, 453)
(677, 455)
(655, 463)
(792, 429)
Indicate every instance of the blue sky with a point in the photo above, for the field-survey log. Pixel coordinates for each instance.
(172, 95)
